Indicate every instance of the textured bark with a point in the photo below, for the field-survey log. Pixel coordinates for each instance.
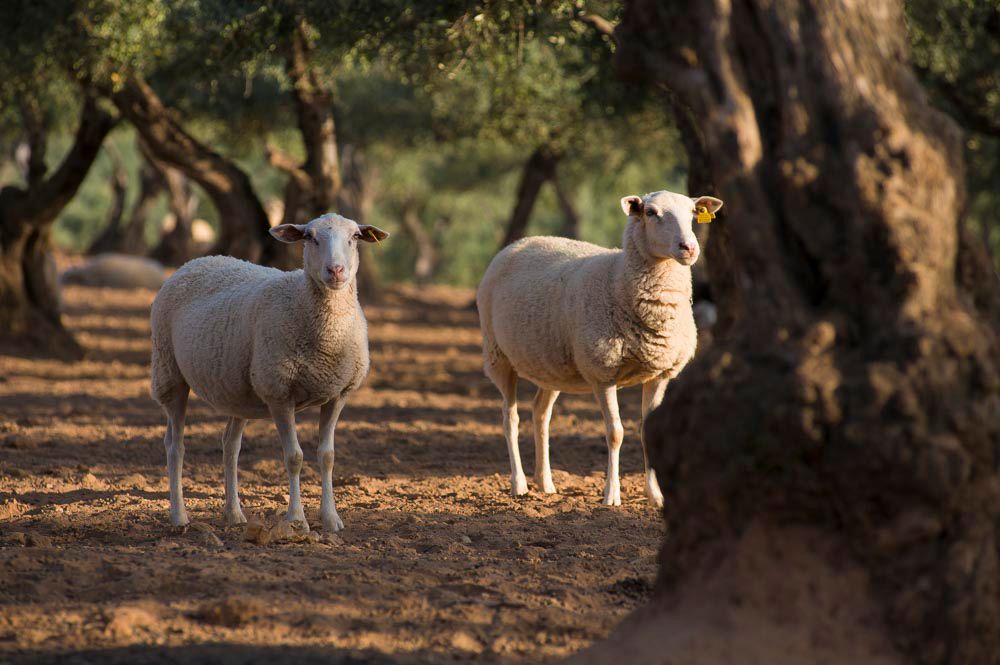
(854, 399)
(355, 201)
(29, 294)
(313, 186)
(423, 240)
(112, 238)
(176, 246)
(243, 221)
(539, 169)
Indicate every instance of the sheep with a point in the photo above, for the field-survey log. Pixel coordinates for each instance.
(117, 271)
(256, 342)
(573, 317)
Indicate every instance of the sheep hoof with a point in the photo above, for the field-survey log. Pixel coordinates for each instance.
(612, 497)
(179, 518)
(655, 499)
(235, 517)
(518, 486)
(546, 485)
(333, 524)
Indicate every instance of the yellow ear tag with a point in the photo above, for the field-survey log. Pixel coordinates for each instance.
(374, 237)
(704, 216)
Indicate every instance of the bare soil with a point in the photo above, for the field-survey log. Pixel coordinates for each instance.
(438, 563)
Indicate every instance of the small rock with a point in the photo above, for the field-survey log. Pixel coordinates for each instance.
(38, 540)
(462, 641)
(229, 612)
(124, 620)
(205, 535)
(331, 539)
(89, 481)
(13, 539)
(466, 540)
(133, 480)
(276, 530)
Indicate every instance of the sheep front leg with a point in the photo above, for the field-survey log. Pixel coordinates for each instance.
(652, 395)
(284, 421)
(231, 443)
(328, 415)
(607, 398)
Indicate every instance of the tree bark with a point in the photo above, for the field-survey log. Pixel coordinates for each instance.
(426, 261)
(243, 221)
(847, 419)
(313, 185)
(29, 296)
(539, 169)
(112, 238)
(355, 201)
(176, 246)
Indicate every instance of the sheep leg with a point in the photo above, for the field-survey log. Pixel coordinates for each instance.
(328, 415)
(175, 408)
(284, 421)
(541, 412)
(507, 383)
(231, 443)
(607, 398)
(652, 395)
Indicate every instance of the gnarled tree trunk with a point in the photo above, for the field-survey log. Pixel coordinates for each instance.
(243, 221)
(830, 464)
(112, 238)
(29, 295)
(176, 246)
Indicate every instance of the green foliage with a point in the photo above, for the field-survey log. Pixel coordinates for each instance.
(956, 50)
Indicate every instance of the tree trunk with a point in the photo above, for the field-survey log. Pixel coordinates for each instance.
(112, 238)
(426, 262)
(29, 294)
(540, 168)
(314, 185)
(355, 201)
(243, 221)
(830, 462)
(176, 246)
(571, 218)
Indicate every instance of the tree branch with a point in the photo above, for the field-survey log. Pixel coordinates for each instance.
(284, 162)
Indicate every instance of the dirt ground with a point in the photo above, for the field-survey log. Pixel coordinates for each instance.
(438, 563)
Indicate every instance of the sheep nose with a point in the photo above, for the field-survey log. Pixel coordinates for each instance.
(336, 271)
(687, 248)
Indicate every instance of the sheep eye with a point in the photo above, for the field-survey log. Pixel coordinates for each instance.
(315, 240)
(652, 213)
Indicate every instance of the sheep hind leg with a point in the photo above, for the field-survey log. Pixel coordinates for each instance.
(652, 395)
(607, 398)
(541, 413)
(231, 443)
(505, 378)
(175, 406)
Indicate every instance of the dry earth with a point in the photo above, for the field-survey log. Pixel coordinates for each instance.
(437, 563)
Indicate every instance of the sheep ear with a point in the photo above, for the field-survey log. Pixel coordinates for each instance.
(289, 232)
(713, 204)
(632, 206)
(371, 233)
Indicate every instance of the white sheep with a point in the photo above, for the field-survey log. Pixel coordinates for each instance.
(573, 317)
(117, 271)
(256, 342)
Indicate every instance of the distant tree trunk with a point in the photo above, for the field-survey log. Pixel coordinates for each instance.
(849, 415)
(243, 221)
(314, 184)
(111, 239)
(571, 219)
(355, 201)
(423, 241)
(176, 246)
(539, 169)
(29, 295)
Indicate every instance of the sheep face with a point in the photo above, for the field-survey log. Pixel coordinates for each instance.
(330, 252)
(666, 221)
